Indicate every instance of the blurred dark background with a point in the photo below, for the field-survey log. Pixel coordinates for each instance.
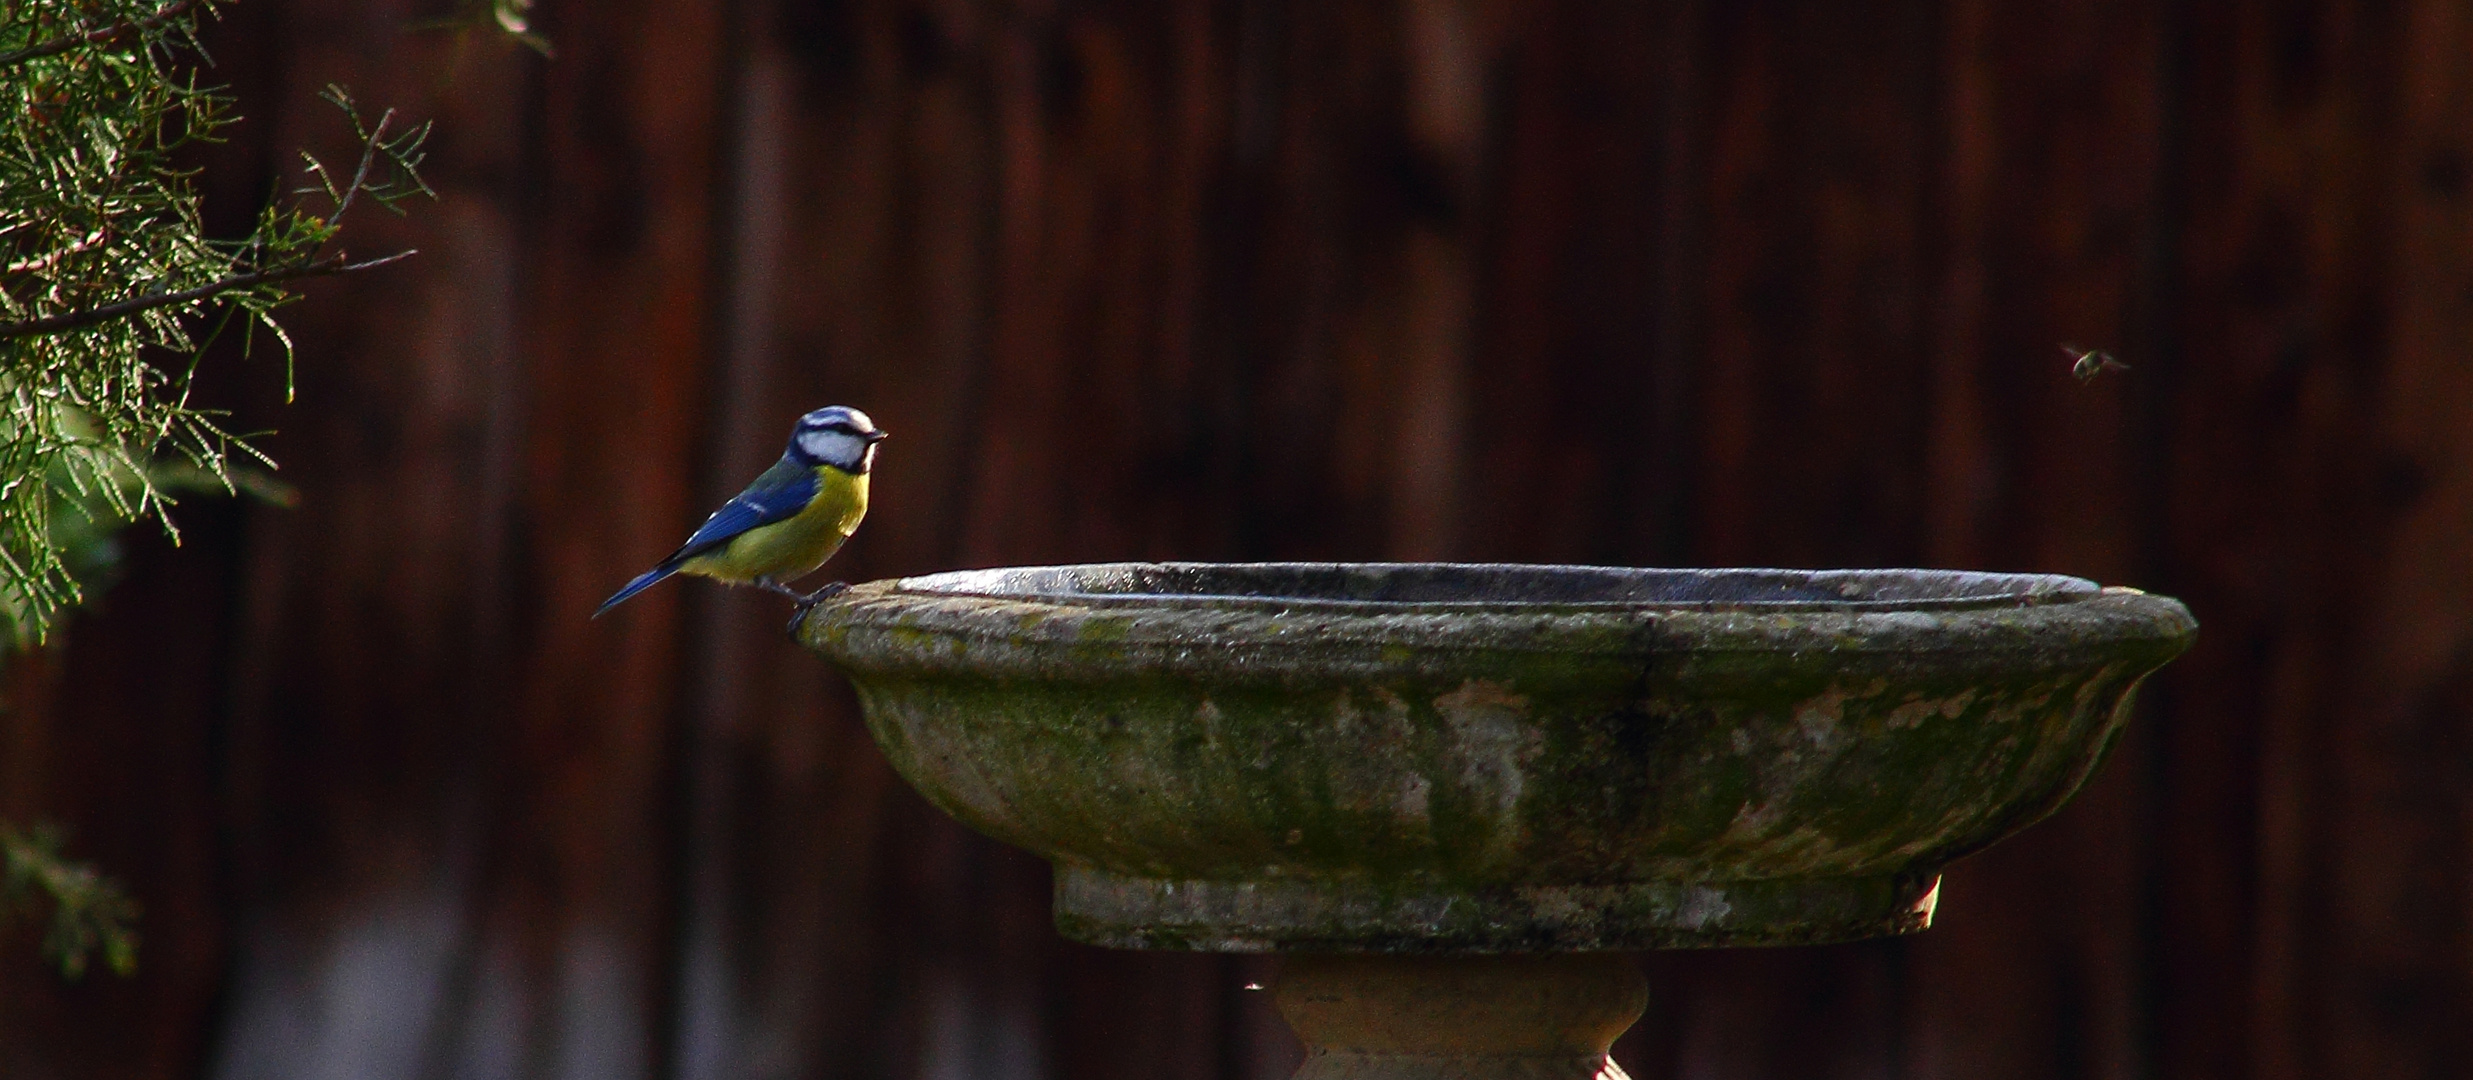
(1686, 283)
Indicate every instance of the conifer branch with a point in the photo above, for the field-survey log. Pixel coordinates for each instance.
(72, 320)
(169, 14)
(107, 272)
(90, 913)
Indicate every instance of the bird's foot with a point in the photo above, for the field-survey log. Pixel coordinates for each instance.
(808, 602)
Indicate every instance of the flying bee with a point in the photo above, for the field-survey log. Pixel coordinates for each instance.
(2088, 363)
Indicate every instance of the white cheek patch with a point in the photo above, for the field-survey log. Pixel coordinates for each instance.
(832, 447)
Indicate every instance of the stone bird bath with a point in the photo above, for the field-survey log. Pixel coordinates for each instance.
(1449, 791)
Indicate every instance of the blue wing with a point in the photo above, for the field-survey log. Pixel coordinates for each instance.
(778, 495)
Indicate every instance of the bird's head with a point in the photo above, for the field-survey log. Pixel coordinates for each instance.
(837, 435)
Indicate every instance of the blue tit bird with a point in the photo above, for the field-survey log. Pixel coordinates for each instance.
(790, 520)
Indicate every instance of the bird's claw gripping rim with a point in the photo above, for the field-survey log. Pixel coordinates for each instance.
(807, 602)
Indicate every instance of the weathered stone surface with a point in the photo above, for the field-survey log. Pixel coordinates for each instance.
(1450, 758)
(1350, 913)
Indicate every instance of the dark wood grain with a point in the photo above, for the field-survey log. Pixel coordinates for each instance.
(2050, 136)
(1574, 280)
(2395, 835)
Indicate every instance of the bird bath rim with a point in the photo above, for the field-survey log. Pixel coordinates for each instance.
(1429, 587)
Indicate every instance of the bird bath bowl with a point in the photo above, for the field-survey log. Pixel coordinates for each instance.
(1407, 770)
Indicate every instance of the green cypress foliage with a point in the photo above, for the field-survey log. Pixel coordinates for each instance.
(89, 912)
(111, 289)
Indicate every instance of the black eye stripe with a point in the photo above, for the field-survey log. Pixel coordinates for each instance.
(843, 426)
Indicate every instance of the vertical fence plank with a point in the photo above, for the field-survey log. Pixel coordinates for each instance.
(447, 781)
(2051, 155)
(111, 761)
(621, 344)
(367, 633)
(1572, 432)
(2399, 825)
(1813, 399)
(2279, 283)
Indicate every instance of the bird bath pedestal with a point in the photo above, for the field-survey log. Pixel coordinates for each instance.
(1447, 793)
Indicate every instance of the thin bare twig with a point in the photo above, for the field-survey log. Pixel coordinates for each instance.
(71, 320)
(369, 154)
(98, 36)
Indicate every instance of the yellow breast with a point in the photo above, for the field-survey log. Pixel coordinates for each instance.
(791, 549)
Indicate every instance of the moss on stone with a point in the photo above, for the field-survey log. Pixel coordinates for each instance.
(1413, 751)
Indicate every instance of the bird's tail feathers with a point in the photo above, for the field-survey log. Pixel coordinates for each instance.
(642, 582)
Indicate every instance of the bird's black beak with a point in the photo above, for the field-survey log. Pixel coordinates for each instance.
(875, 437)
